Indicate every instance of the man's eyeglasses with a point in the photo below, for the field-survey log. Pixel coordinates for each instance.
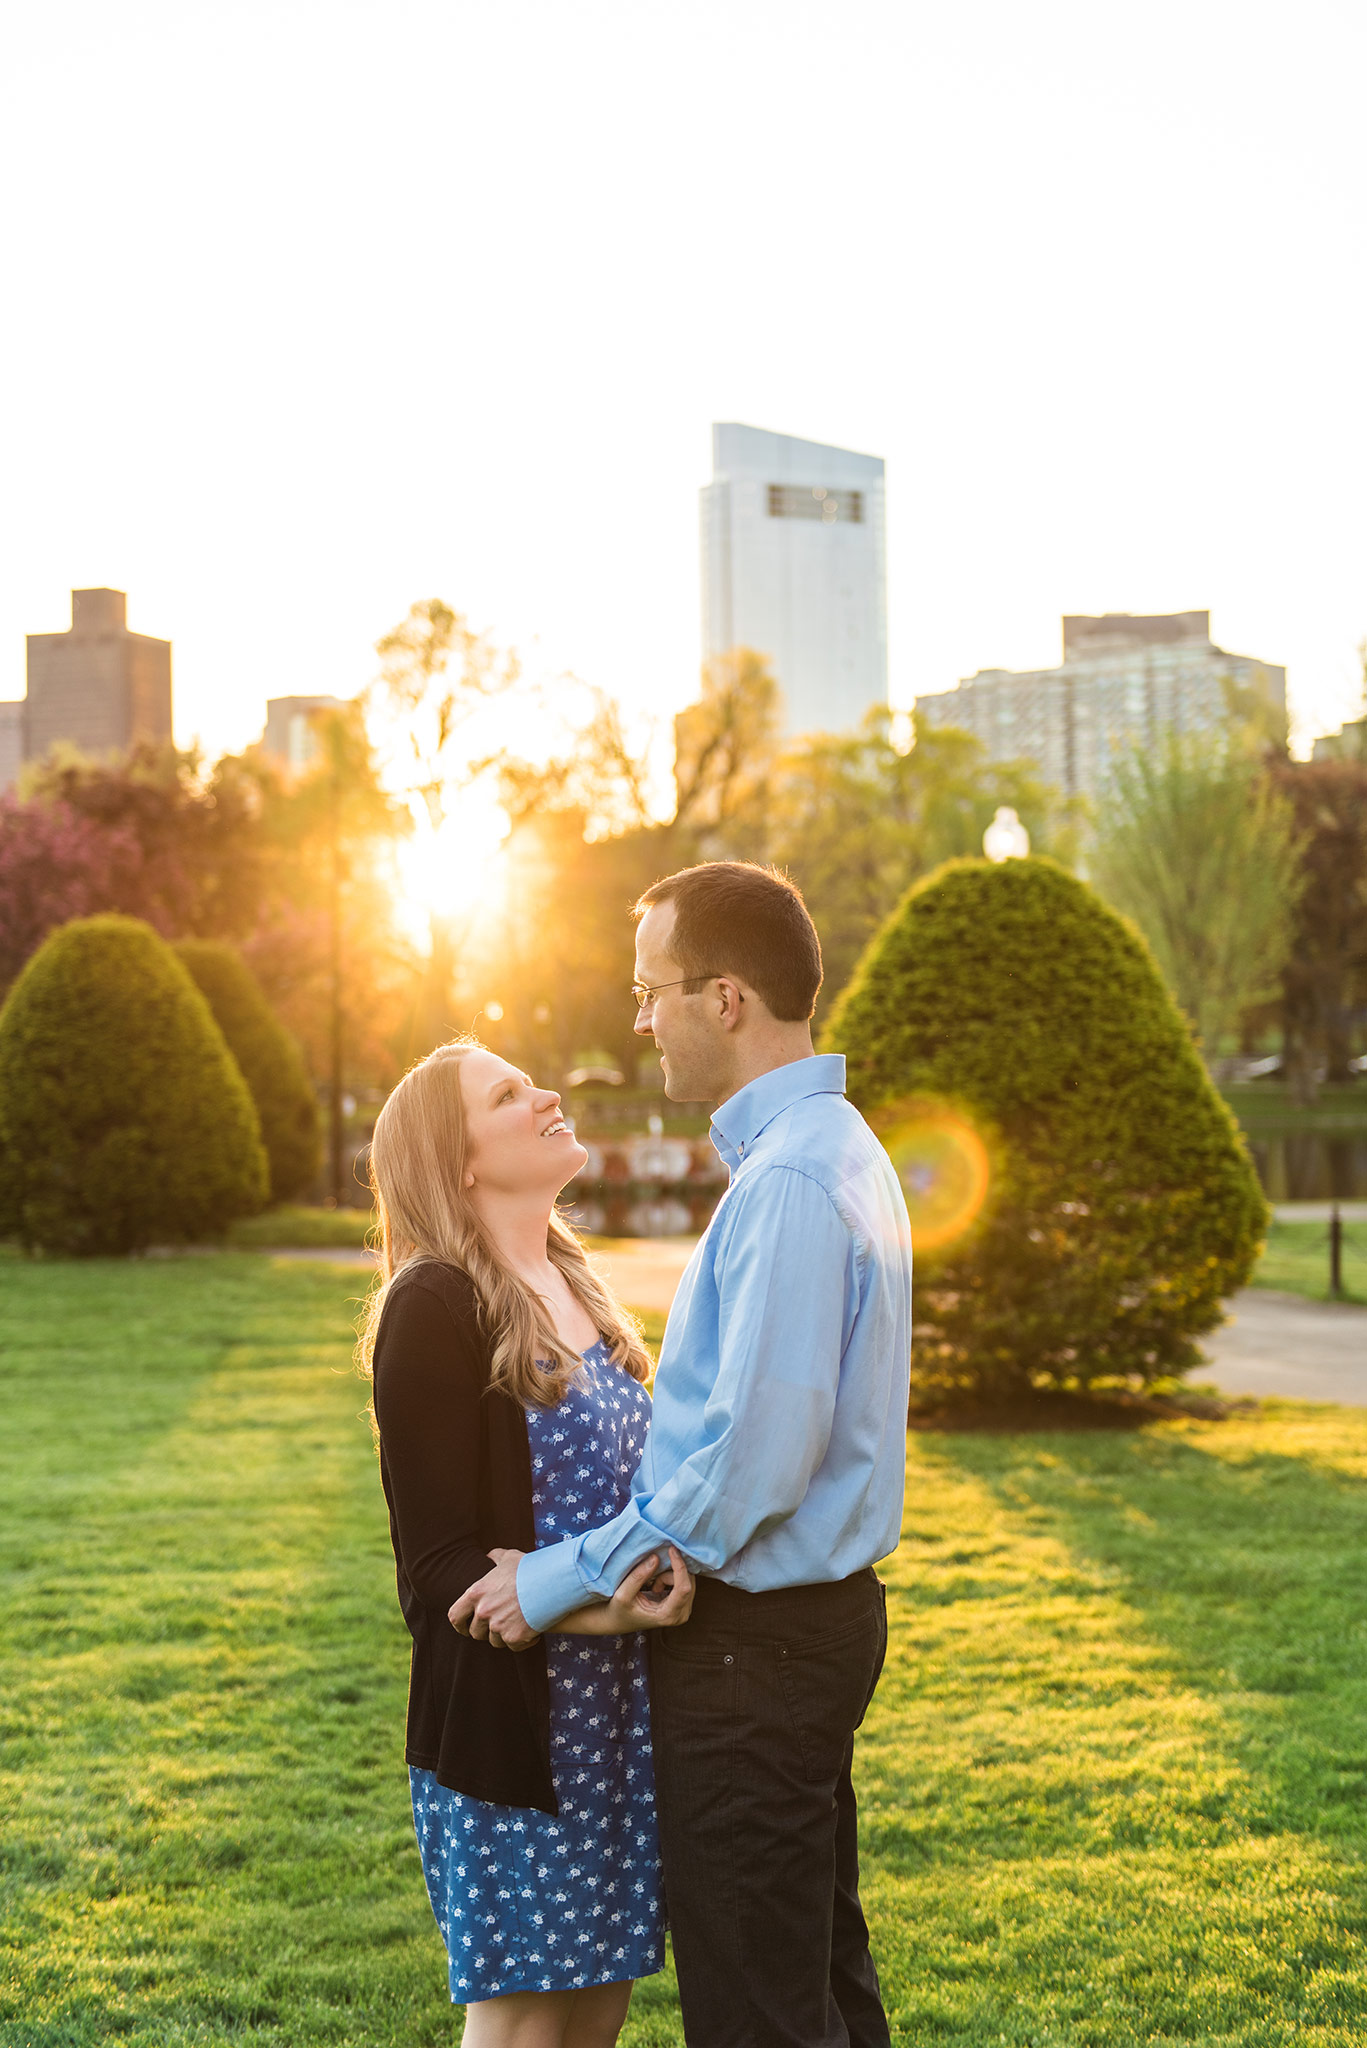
(641, 995)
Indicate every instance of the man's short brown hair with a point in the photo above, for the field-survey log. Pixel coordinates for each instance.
(732, 917)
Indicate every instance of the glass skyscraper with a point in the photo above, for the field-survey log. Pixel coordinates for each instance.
(793, 567)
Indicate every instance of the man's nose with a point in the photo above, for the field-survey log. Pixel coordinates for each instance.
(645, 1021)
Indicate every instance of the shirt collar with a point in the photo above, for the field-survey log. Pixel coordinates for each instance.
(742, 1117)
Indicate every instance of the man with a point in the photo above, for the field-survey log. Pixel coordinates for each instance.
(775, 1463)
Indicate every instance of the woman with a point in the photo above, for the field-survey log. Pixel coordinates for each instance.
(510, 1411)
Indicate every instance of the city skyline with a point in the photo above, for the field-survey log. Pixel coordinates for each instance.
(379, 356)
(95, 686)
(1122, 683)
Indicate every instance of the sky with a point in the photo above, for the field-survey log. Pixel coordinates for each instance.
(318, 309)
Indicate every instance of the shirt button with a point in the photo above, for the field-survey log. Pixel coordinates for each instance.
(728, 1660)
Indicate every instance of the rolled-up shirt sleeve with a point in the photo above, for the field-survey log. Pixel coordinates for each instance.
(786, 1289)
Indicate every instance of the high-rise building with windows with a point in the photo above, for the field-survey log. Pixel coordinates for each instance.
(793, 567)
(11, 741)
(96, 687)
(1124, 680)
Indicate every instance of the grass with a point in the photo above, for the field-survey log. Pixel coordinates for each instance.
(1297, 1260)
(294, 1225)
(1113, 1781)
(1266, 1107)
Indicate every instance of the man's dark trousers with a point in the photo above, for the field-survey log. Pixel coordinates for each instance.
(754, 1704)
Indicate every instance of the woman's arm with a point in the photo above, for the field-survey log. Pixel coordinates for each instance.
(427, 1391)
(639, 1603)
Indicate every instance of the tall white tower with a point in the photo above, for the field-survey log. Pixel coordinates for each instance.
(793, 566)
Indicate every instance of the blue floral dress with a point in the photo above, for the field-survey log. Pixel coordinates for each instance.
(524, 1901)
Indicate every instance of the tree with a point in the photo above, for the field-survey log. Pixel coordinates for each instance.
(435, 673)
(601, 778)
(564, 959)
(724, 747)
(55, 864)
(1323, 993)
(1198, 845)
(270, 1061)
(154, 835)
(327, 956)
(855, 819)
(124, 1120)
(1082, 1198)
(430, 703)
(188, 856)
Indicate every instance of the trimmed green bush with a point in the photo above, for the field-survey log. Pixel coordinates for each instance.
(271, 1062)
(124, 1120)
(1005, 1015)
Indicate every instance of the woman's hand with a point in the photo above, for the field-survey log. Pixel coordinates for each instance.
(635, 1605)
(461, 1612)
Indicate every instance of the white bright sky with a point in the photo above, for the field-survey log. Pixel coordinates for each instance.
(318, 307)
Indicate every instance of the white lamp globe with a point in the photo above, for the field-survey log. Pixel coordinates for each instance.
(1006, 838)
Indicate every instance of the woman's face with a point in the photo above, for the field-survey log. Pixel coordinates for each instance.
(516, 1139)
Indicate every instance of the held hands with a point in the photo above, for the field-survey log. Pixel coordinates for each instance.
(489, 1609)
(648, 1597)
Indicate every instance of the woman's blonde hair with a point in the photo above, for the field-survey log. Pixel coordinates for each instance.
(417, 1173)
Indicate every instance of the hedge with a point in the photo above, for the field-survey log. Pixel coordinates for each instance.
(1012, 1038)
(271, 1062)
(124, 1120)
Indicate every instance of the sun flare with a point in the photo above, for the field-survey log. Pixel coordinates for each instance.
(454, 870)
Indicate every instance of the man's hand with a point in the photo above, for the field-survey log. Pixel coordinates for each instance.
(488, 1610)
(646, 1598)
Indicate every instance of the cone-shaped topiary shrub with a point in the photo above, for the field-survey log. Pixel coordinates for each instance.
(1086, 1197)
(124, 1120)
(271, 1062)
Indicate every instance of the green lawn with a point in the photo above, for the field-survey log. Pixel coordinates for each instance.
(295, 1224)
(1265, 1108)
(1113, 1781)
(1297, 1260)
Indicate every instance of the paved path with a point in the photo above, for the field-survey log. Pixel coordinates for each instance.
(1282, 1344)
(1274, 1343)
(646, 1270)
(1318, 1212)
(643, 1270)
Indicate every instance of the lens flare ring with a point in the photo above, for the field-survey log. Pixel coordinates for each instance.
(943, 1163)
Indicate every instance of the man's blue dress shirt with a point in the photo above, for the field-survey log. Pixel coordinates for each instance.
(777, 1446)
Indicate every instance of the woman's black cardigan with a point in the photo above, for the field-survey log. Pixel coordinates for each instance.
(457, 1473)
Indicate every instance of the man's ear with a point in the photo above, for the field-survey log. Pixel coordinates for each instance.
(732, 1003)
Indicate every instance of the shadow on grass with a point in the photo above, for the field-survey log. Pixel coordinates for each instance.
(1248, 1566)
(1112, 1781)
(202, 1672)
(1046, 1410)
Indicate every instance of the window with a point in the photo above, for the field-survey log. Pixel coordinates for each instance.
(797, 501)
